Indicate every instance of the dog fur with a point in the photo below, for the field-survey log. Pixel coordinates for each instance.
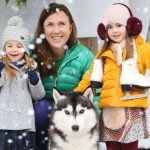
(74, 122)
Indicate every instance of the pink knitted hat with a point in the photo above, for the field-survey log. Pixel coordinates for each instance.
(116, 13)
(119, 13)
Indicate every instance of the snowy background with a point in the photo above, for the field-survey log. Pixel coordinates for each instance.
(87, 15)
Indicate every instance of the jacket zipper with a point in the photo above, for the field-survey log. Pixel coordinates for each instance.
(116, 89)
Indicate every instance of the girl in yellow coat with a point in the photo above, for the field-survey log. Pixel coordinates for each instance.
(122, 122)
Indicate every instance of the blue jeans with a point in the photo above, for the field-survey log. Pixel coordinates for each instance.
(42, 111)
(17, 140)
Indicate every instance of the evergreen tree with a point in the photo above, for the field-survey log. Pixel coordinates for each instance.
(19, 3)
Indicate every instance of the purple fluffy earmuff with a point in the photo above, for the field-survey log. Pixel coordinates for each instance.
(133, 26)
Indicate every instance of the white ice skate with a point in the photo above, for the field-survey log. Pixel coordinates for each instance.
(97, 74)
(130, 77)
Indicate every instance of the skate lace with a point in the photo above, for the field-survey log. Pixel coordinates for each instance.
(132, 64)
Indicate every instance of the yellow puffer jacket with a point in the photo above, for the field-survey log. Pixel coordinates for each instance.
(111, 90)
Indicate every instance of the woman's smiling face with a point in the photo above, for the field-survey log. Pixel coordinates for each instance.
(57, 30)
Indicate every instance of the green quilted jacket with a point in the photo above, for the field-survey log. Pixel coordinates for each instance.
(71, 69)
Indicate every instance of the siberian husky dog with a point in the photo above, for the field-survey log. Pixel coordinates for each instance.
(74, 122)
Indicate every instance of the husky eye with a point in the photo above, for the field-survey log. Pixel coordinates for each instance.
(67, 112)
(81, 111)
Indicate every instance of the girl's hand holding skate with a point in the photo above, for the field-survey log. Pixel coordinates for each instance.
(34, 79)
(2, 65)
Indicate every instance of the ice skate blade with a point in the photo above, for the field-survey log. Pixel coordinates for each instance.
(128, 96)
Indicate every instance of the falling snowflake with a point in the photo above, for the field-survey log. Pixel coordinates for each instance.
(31, 46)
(70, 1)
(15, 8)
(22, 50)
(30, 112)
(46, 6)
(73, 72)
(10, 141)
(99, 41)
(24, 134)
(20, 137)
(25, 76)
(49, 66)
(38, 41)
(42, 63)
(34, 56)
(49, 108)
(46, 138)
(42, 132)
(52, 1)
(51, 127)
(2, 53)
(51, 77)
(145, 10)
(65, 46)
(42, 36)
(57, 10)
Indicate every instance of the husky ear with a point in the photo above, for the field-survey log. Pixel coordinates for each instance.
(57, 96)
(89, 94)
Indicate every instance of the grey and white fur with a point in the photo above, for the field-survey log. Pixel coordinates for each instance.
(74, 122)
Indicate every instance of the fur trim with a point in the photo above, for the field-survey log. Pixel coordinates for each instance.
(114, 117)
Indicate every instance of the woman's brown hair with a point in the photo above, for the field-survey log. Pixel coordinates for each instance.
(44, 55)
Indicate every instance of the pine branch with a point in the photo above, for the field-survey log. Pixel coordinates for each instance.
(19, 3)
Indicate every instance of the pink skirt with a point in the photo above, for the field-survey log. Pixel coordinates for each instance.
(129, 132)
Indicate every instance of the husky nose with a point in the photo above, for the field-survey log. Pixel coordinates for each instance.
(75, 128)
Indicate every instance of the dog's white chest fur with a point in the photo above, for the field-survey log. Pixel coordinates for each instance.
(85, 142)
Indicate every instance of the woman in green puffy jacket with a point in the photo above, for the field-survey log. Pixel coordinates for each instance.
(62, 60)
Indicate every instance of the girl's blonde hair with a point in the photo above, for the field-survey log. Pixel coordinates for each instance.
(10, 71)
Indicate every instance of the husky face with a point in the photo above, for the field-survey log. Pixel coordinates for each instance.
(74, 114)
(74, 121)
